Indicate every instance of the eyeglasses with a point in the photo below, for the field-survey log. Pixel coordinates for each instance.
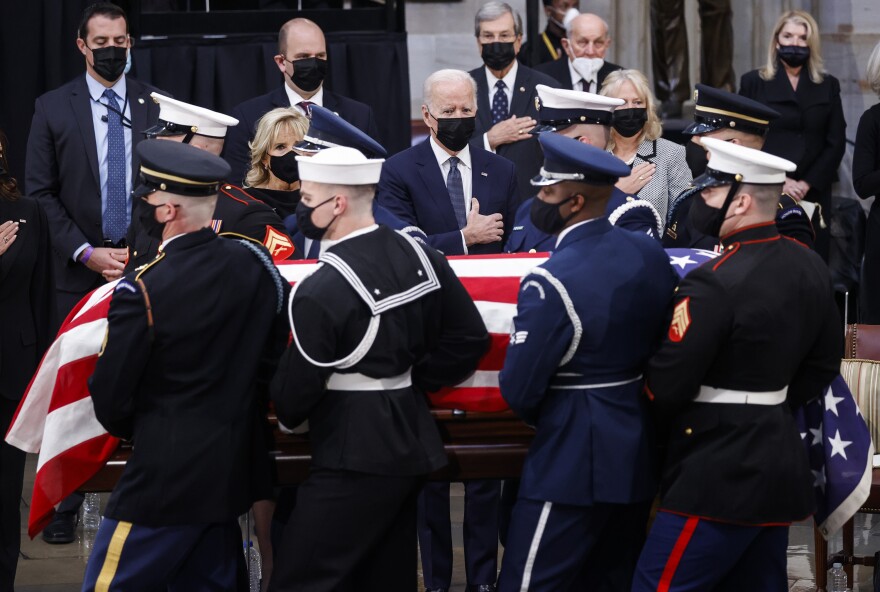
(505, 37)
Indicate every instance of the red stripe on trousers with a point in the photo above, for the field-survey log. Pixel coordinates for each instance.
(677, 552)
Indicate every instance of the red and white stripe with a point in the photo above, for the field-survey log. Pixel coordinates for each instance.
(56, 417)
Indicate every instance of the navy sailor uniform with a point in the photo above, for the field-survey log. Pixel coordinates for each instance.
(368, 341)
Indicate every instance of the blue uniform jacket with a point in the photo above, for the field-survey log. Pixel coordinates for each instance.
(624, 211)
(587, 321)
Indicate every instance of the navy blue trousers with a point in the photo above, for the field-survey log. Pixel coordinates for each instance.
(556, 547)
(133, 558)
(481, 506)
(685, 553)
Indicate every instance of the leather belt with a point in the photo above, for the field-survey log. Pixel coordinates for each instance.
(595, 385)
(710, 394)
(359, 382)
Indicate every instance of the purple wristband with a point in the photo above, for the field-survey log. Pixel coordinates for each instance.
(84, 258)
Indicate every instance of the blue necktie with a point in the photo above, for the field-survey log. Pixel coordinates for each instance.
(116, 213)
(314, 249)
(456, 191)
(500, 109)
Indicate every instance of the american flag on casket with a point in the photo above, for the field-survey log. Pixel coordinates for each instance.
(56, 418)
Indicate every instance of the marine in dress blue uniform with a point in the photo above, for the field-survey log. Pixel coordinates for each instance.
(327, 130)
(191, 414)
(754, 334)
(237, 213)
(368, 340)
(572, 113)
(587, 321)
(727, 116)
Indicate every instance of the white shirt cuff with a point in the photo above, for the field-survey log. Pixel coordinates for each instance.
(79, 251)
(486, 143)
(463, 243)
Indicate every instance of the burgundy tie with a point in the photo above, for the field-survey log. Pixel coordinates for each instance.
(306, 106)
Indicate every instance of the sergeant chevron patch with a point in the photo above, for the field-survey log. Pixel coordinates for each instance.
(681, 320)
(278, 244)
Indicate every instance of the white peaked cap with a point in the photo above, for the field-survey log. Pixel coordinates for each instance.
(756, 167)
(561, 98)
(340, 165)
(200, 120)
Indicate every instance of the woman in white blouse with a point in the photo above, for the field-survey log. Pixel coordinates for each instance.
(659, 168)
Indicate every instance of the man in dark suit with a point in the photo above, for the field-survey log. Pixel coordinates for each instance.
(465, 208)
(80, 165)
(585, 47)
(463, 198)
(171, 522)
(506, 93)
(302, 59)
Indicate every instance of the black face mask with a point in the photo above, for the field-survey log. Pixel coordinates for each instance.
(109, 62)
(706, 219)
(696, 158)
(629, 122)
(304, 220)
(547, 216)
(497, 55)
(309, 73)
(793, 55)
(285, 167)
(454, 132)
(147, 216)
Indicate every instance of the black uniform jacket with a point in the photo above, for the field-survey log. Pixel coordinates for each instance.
(759, 318)
(27, 296)
(525, 154)
(183, 390)
(237, 213)
(440, 335)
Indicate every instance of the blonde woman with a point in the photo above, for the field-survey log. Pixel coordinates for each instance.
(659, 168)
(811, 126)
(866, 180)
(274, 175)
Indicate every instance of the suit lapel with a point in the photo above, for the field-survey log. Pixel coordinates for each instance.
(481, 181)
(522, 95)
(82, 111)
(647, 150)
(279, 97)
(331, 102)
(432, 177)
(139, 102)
(484, 111)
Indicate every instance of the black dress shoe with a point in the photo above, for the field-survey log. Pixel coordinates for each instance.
(62, 529)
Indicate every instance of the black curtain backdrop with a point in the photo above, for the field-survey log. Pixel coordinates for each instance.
(38, 53)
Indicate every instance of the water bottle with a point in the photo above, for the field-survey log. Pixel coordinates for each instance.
(91, 512)
(254, 565)
(838, 579)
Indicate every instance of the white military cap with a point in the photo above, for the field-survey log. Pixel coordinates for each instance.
(559, 108)
(177, 117)
(340, 165)
(729, 163)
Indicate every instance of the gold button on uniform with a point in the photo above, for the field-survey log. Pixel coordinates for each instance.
(688, 431)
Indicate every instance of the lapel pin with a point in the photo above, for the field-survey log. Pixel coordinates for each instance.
(22, 221)
(522, 89)
(141, 100)
(485, 174)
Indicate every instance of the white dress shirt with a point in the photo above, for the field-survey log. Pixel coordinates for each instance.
(464, 167)
(509, 81)
(294, 98)
(99, 110)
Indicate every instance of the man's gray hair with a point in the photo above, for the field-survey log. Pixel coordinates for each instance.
(873, 71)
(443, 76)
(491, 11)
